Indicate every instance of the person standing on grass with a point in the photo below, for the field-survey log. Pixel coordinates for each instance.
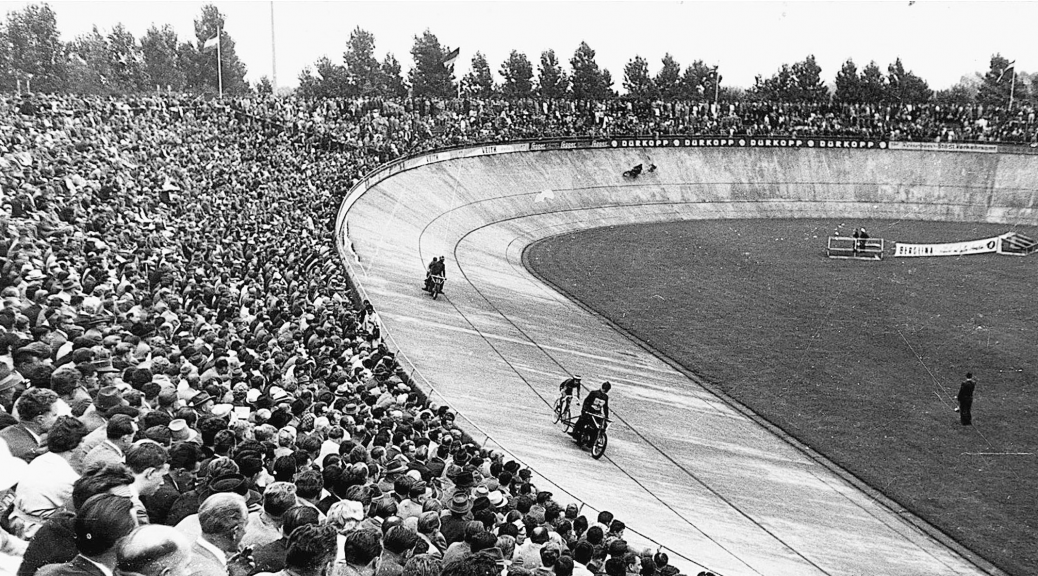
(965, 399)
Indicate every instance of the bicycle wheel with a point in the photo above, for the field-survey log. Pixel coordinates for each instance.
(558, 410)
(598, 449)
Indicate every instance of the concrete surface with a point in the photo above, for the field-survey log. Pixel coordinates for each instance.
(684, 468)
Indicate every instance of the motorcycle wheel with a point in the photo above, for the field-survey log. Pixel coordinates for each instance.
(600, 445)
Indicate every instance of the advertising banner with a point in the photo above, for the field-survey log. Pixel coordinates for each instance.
(747, 142)
(944, 147)
(985, 246)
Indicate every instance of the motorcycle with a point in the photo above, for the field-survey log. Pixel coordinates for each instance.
(436, 285)
(593, 437)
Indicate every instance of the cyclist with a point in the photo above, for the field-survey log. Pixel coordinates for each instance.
(566, 391)
(596, 404)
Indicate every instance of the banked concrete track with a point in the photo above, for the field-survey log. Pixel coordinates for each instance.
(686, 469)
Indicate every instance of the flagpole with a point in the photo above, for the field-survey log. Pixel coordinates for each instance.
(1012, 87)
(219, 61)
(273, 54)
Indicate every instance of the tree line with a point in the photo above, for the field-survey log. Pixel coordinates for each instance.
(32, 56)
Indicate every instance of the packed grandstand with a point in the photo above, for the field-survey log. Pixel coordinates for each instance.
(181, 347)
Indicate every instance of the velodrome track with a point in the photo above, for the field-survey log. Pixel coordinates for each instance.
(684, 468)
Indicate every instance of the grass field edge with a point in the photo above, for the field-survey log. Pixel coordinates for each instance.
(890, 504)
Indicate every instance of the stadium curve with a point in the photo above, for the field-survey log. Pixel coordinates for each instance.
(689, 470)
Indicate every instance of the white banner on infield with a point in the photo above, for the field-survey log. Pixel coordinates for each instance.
(984, 246)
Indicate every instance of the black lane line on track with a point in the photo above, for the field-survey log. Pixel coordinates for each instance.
(657, 354)
(635, 430)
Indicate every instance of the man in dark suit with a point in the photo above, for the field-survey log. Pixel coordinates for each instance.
(184, 460)
(38, 409)
(965, 398)
(99, 525)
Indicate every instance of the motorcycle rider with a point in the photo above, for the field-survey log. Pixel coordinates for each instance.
(428, 275)
(437, 268)
(597, 404)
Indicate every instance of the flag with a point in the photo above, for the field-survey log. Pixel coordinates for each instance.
(1006, 69)
(211, 44)
(451, 56)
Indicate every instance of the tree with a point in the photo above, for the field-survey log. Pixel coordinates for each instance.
(552, 81)
(479, 82)
(807, 82)
(874, 89)
(392, 78)
(89, 69)
(848, 84)
(430, 76)
(264, 87)
(363, 73)
(997, 83)
(960, 94)
(699, 82)
(126, 60)
(668, 80)
(637, 81)
(161, 60)
(905, 87)
(517, 72)
(588, 80)
(35, 48)
(800, 83)
(326, 80)
(202, 73)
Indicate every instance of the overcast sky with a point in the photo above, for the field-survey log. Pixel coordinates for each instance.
(939, 41)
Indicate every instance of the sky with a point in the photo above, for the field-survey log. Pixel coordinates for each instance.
(941, 41)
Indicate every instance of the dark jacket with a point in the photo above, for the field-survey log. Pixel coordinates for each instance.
(78, 566)
(54, 543)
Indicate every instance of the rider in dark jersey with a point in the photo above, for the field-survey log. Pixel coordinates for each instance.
(569, 385)
(596, 403)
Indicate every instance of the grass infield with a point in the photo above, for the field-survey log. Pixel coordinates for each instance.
(859, 360)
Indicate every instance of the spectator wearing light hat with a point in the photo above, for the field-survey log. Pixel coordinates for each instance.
(9, 381)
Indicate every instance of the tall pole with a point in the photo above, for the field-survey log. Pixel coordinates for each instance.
(717, 84)
(273, 53)
(219, 61)
(1012, 87)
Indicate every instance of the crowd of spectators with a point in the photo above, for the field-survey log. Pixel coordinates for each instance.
(188, 385)
(389, 128)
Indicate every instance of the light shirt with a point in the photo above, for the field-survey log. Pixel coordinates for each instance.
(104, 569)
(212, 548)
